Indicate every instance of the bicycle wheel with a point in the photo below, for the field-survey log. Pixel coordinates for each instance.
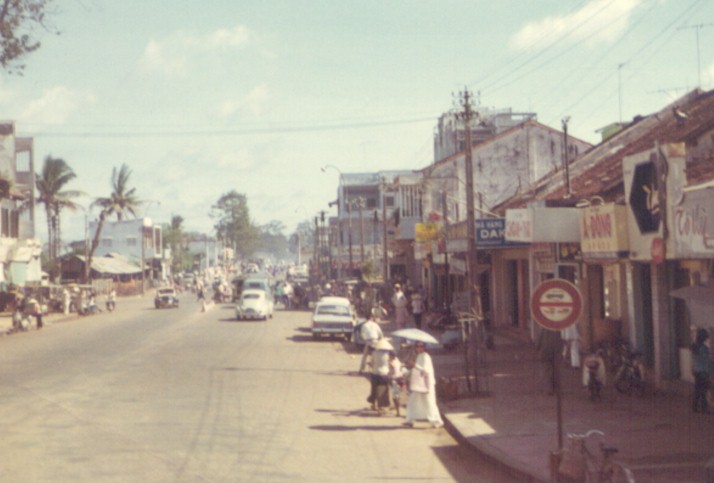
(618, 473)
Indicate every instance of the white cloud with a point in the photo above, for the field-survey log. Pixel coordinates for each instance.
(254, 102)
(174, 53)
(597, 21)
(54, 106)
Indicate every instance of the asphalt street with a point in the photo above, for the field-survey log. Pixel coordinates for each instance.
(177, 395)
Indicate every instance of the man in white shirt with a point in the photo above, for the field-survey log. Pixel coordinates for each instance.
(370, 332)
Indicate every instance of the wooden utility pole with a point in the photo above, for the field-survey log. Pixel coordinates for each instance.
(385, 258)
(472, 282)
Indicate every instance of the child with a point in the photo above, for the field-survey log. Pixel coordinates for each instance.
(396, 378)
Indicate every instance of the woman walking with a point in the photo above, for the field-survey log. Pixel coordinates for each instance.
(422, 390)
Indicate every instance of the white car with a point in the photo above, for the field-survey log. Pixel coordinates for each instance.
(254, 305)
(333, 316)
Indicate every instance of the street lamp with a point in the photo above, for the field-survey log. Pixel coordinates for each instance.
(347, 204)
(143, 245)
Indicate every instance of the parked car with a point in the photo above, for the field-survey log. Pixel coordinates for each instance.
(254, 304)
(166, 297)
(333, 316)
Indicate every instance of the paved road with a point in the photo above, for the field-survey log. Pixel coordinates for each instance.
(179, 395)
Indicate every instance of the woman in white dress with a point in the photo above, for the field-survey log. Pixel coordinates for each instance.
(422, 390)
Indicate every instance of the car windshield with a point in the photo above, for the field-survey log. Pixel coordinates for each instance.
(257, 285)
(333, 310)
(251, 296)
(166, 291)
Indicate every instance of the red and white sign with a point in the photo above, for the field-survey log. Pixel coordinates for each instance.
(556, 304)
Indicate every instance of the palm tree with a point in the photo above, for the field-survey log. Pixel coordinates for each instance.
(50, 182)
(121, 201)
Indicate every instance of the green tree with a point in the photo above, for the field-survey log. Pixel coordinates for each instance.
(121, 202)
(272, 239)
(233, 224)
(175, 238)
(18, 19)
(50, 183)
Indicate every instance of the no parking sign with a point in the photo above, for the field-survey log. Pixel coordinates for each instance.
(556, 304)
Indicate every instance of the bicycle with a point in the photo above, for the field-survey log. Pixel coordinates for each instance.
(579, 464)
(630, 376)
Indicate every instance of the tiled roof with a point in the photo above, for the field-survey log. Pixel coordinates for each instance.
(599, 170)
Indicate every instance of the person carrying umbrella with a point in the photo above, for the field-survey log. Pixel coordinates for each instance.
(422, 390)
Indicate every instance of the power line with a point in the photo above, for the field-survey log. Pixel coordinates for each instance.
(230, 132)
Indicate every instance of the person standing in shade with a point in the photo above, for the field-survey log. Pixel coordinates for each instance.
(422, 390)
(417, 308)
(379, 378)
(702, 368)
(400, 302)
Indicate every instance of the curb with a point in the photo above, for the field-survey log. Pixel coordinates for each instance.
(496, 457)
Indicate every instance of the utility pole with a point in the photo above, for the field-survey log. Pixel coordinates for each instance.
(566, 161)
(360, 205)
(474, 290)
(697, 28)
(385, 258)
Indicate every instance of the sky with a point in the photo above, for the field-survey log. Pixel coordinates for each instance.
(199, 98)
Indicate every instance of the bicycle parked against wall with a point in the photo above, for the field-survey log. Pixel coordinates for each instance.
(578, 463)
(630, 377)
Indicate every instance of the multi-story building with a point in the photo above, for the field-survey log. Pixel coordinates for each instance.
(370, 206)
(19, 250)
(506, 159)
(136, 239)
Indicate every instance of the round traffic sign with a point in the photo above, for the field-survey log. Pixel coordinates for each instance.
(556, 304)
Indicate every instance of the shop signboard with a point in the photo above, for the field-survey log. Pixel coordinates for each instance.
(651, 198)
(603, 231)
(427, 232)
(692, 224)
(491, 233)
(542, 224)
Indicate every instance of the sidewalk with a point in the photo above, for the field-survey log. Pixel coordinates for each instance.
(514, 422)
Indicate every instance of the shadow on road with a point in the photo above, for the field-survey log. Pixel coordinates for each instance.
(339, 427)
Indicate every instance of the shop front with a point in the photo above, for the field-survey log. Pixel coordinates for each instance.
(553, 239)
(604, 245)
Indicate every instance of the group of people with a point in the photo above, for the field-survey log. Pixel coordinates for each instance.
(390, 379)
(408, 304)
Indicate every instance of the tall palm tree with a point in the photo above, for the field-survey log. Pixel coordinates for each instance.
(50, 183)
(121, 202)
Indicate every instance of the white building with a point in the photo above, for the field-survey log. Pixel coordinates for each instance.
(136, 239)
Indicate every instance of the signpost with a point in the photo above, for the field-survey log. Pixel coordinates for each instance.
(556, 304)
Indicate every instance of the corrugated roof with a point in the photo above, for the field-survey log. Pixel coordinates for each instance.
(599, 170)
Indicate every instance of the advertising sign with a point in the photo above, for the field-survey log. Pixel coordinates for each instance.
(603, 231)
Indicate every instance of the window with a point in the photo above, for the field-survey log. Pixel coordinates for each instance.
(106, 242)
(131, 241)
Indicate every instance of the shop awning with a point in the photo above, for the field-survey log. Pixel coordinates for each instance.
(703, 294)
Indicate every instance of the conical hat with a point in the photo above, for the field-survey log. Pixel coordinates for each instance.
(383, 345)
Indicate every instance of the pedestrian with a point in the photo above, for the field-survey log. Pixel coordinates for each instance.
(572, 344)
(422, 390)
(66, 301)
(400, 302)
(417, 308)
(370, 332)
(701, 368)
(379, 377)
(33, 308)
(549, 346)
(396, 380)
